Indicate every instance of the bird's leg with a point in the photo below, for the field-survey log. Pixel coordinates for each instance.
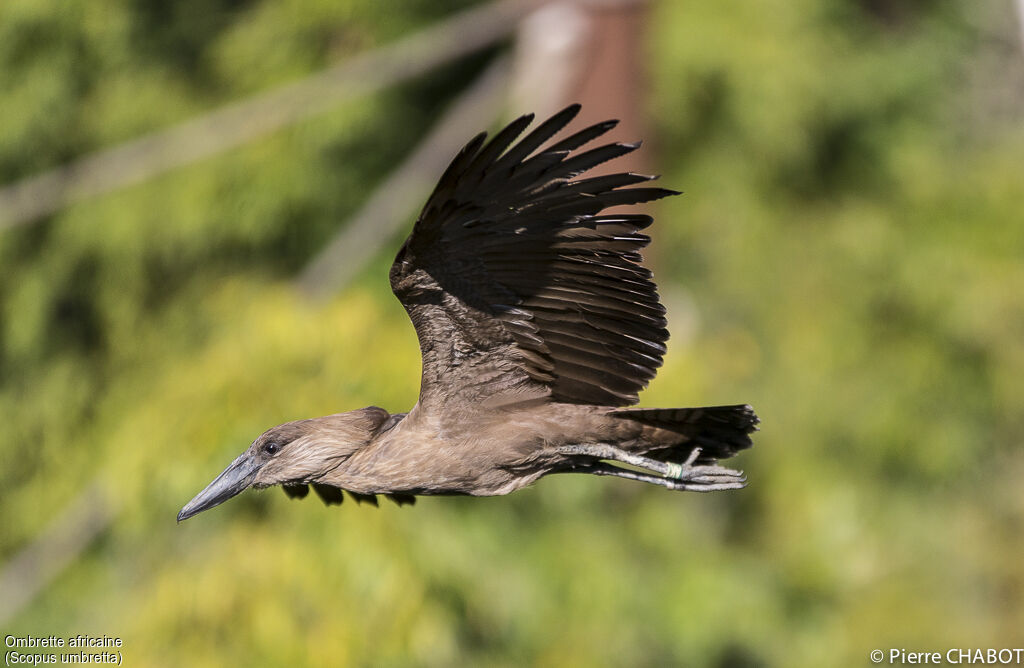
(605, 451)
(684, 476)
(727, 482)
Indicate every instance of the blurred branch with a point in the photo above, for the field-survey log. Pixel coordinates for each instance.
(394, 200)
(58, 545)
(138, 160)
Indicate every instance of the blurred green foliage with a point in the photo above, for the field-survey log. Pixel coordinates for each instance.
(848, 258)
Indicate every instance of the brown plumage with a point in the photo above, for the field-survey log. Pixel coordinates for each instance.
(537, 326)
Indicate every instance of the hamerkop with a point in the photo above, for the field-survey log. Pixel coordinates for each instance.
(537, 327)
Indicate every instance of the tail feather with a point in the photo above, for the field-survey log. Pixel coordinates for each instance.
(719, 431)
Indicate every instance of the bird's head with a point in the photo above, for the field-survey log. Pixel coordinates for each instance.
(292, 453)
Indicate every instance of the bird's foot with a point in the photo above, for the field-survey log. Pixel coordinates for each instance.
(703, 478)
(687, 476)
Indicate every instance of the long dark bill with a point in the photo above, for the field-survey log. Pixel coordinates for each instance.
(231, 482)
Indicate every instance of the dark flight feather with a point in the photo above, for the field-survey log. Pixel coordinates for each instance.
(295, 491)
(363, 498)
(513, 277)
(402, 499)
(329, 494)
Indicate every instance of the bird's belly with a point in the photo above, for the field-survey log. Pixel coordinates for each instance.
(486, 454)
(477, 465)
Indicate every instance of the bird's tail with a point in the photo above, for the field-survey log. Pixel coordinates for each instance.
(719, 431)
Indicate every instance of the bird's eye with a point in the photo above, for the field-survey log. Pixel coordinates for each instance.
(271, 447)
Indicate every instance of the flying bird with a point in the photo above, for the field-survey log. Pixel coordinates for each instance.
(537, 327)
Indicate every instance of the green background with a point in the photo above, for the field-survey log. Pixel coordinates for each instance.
(847, 258)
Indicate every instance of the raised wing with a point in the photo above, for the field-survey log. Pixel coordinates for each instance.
(519, 288)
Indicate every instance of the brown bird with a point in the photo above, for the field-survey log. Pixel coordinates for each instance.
(537, 325)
